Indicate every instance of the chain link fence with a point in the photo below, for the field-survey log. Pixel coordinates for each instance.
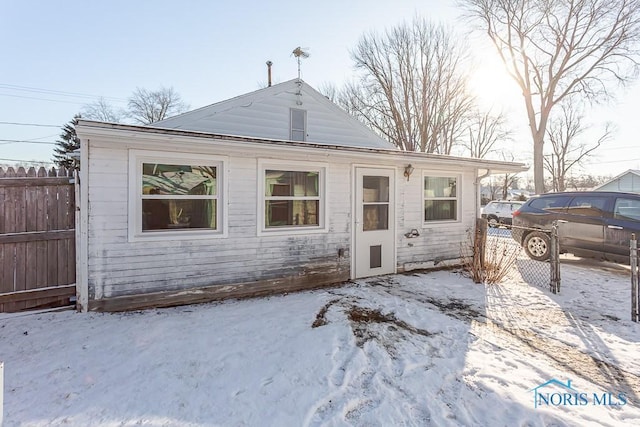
(635, 271)
(533, 253)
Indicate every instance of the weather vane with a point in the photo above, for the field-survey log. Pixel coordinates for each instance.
(300, 52)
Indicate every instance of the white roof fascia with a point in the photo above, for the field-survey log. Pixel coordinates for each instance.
(87, 129)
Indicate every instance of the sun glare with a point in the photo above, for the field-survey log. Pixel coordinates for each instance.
(492, 86)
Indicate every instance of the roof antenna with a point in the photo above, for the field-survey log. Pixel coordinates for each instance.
(300, 52)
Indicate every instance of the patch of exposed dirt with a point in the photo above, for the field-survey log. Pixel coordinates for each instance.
(321, 318)
(364, 321)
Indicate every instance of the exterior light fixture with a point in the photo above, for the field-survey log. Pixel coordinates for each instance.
(408, 170)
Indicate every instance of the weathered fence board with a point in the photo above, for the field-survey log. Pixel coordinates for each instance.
(37, 238)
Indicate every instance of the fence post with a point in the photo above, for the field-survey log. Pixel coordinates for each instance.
(479, 244)
(554, 258)
(635, 296)
(1, 391)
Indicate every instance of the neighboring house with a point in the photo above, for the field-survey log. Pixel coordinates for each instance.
(628, 182)
(273, 191)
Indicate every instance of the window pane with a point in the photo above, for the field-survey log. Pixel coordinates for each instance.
(438, 186)
(628, 209)
(555, 203)
(284, 213)
(297, 120)
(440, 210)
(376, 217)
(297, 135)
(298, 128)
(375, 189)
(588, 206)
(178, 179)
(171, 214)
(291, 183)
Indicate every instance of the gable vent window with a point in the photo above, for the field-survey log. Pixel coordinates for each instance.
(298, 125)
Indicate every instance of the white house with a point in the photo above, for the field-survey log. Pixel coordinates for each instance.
(628, 181)
(273, 191)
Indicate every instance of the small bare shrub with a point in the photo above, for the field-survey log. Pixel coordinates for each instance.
(500, 257)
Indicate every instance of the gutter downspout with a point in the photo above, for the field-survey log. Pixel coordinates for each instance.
(479, 189)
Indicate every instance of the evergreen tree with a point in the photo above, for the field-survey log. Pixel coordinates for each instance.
(67, 143)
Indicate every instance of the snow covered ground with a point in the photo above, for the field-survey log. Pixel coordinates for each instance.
(410, 350)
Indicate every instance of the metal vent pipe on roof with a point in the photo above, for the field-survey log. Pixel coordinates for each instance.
(269, 64)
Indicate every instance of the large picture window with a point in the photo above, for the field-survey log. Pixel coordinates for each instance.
(293, 198)
(440, 198)
(175, 195)
(179, 196)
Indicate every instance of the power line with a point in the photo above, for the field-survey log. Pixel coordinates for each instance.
(616, 161)
(58, 92)
(11, 141)
(30, 124)
(28, 161)
(43, 99)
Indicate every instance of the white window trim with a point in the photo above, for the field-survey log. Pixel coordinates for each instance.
(301, 166)
(291, 129)
(137, 158)
(458, 198)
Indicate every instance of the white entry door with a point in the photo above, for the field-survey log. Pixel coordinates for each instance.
(374, 222)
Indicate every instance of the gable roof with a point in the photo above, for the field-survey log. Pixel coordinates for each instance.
(265, 113)
(627, 172)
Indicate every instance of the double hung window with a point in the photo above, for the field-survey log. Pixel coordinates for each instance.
(441, 202)
(292, 197)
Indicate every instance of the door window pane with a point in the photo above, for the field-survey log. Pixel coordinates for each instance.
(375, 189)
(376, 217)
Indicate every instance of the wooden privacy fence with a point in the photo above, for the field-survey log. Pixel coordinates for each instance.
(37, 239)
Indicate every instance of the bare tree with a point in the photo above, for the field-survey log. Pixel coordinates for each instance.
(586, 182)
(147, 106)
(555, 49)
(485, 130)
(411, 87)
(564, 132)
(329, 90)
(103, 111)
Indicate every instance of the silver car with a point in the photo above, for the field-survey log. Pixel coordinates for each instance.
(498, 212)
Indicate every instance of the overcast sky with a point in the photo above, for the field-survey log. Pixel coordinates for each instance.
(58, 56)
